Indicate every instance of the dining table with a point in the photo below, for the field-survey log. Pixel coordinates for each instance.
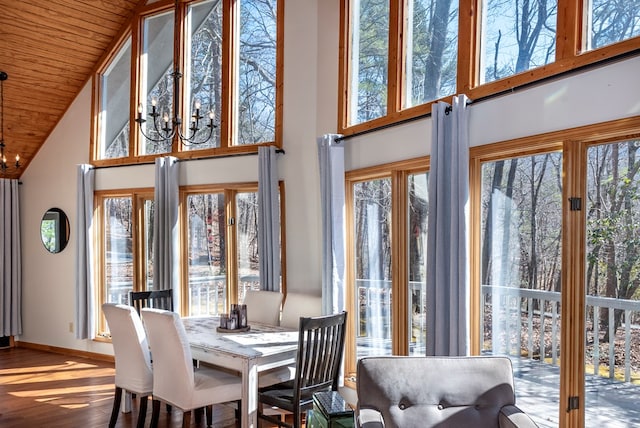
(262, 348)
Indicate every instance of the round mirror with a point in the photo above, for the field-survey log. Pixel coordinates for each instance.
(54, 230)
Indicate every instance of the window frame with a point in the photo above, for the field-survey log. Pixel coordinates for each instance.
(230, 69)
(571, 56)
(138, 198)
(398, 173)
(229, 190)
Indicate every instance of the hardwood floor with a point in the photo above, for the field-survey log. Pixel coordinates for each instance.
(43, 389)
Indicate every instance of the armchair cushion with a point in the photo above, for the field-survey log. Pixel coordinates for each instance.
(436, 391)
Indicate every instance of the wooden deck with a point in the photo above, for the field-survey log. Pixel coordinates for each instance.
(609, 404)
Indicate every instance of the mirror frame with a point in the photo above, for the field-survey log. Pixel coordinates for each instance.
(61, 230)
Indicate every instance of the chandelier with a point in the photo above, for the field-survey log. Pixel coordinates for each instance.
(3, 159)
(166, 127)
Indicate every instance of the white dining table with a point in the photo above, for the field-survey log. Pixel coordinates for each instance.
(263, 347)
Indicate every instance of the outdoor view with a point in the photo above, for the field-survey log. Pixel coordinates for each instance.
(373, 264)
(521, 257)
(515, 36)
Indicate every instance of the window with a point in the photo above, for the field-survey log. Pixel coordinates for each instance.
(221, 246)
(516, 36)
(386, 277)
(223, 58)
(125, 238)
(399, 56)
(115, 93)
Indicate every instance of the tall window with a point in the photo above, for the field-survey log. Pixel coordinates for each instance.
(387, 222)
(516, 36)
(125, 240)
(115, 93)
(221, 246)
(399, 56)
(223, 57)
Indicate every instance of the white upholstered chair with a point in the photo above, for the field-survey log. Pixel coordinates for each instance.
(263, 306)
(175, 381)
(298, 305)
(132, 359)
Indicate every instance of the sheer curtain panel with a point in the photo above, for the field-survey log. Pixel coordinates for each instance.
(10, 259)
(84, 257)
(447, 270)
(331, 158)
(268, 219)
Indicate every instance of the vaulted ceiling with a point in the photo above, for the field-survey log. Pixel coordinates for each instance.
(49, 50)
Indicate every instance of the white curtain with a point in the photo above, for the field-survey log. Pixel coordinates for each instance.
(166, 231)
(10, 259)
(268, 219)
(84, 255)
(331, 157)
(447, 270)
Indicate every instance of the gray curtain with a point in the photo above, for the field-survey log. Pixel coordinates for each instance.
(331, 157)
(166, 231)
(84, 258)
(447, 271)
(10, 259)
(268, 219)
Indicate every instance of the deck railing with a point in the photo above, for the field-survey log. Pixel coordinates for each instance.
(522, 323)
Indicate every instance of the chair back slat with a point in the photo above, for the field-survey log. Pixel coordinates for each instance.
(157, 299)
(320, 349)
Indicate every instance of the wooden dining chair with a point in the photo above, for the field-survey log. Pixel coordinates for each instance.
(159, 299)
(175, 380)
(318, 362)
(132, 358)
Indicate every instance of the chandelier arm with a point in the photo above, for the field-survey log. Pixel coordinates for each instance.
(144, 134)
(192, 142)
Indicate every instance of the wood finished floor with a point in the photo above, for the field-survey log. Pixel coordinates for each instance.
(43, 389)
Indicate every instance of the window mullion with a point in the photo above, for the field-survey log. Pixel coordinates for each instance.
(570, 32)
(230, 50)
(231, 246)
(396, 56)
(468, 45)
(399, 275)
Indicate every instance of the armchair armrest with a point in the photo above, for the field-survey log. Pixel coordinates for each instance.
(513, 417)
(369, 418)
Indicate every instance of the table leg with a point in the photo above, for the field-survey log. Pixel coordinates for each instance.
(249, 395)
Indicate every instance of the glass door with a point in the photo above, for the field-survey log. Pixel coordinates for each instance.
(520, 288)
(612, 285)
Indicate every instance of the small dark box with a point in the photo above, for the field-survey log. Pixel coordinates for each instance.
(330, 411)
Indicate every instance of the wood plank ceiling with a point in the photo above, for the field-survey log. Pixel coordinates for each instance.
(50, 49)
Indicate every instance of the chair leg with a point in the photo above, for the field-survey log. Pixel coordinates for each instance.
(186, 419)
(209, 415)
(155, 413)
(142, 411)
(117, 398)
(198, 414)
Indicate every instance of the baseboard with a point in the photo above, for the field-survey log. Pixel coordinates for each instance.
(65, 351)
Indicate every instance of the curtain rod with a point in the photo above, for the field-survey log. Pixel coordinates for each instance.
(592, 65)
(230, 155)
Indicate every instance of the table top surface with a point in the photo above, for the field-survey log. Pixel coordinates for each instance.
(261, 340)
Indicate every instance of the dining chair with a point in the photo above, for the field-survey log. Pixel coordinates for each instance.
(175, 380)
(298, 305)
(132, 358)
(263, 306)
(318, 362)
(160, 299)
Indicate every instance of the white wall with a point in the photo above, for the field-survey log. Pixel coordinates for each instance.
(310, 109)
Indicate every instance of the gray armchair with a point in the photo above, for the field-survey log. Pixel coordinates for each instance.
(438, 392)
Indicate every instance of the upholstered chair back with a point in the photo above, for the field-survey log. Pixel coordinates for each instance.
(437, 392)
(130, 348)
